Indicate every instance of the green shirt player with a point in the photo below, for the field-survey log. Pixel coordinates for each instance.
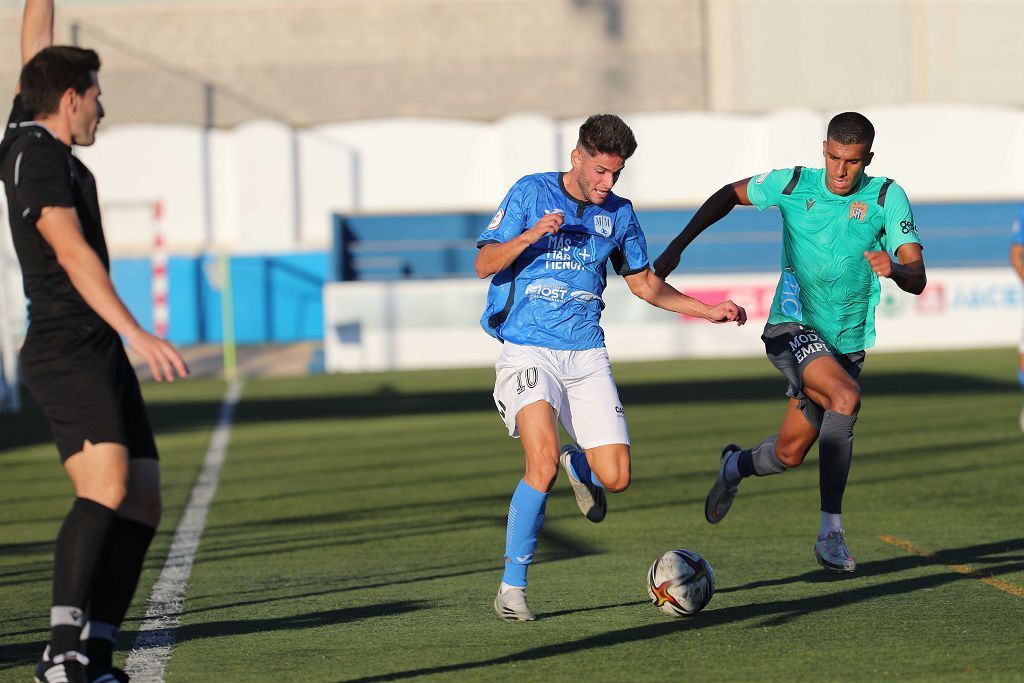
(839, 227)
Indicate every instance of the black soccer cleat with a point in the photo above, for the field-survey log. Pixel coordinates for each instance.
(68, 667)
(106, 674)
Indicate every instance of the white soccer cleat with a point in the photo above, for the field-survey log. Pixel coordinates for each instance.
(832, 553)
(589, 496)
(1022, 419)
(510, 604)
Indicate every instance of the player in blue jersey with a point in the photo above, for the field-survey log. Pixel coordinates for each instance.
(839, 227)
(1017, 260)
(547, 248)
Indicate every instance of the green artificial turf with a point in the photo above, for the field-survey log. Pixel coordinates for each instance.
(358, 529)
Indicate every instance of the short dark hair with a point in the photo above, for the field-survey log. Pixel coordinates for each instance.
(607, 134)
(851, 128)
(47, 76)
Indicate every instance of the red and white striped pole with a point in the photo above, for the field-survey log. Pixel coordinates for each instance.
(161, 314)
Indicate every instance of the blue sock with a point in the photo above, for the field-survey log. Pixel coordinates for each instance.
(579, 468)
(1020, 377)
(525, 518)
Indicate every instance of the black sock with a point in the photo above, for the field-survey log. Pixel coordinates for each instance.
(77, 551)
(835, 451)
(745, 463)
(116, 578)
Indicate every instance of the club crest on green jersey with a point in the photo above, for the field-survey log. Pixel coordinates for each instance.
(810, 203)
(858, 210)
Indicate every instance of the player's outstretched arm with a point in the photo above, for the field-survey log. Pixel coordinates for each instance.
(1017, 259)
(60, 228)
(710, 212)
(655, 291)
(36, 28)
(909, 274)
(494, 258)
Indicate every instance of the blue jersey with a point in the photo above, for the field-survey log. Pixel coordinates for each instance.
(551, 295)
(1018, 231)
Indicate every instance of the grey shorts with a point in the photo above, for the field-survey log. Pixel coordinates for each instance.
(791, 347)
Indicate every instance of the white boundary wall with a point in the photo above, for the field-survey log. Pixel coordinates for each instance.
(434, 324)
(12, 316)
(273, 189)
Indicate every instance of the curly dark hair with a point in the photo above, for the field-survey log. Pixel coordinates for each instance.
(47, 76)
(607, 134)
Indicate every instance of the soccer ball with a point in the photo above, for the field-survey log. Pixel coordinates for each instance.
(680, 583)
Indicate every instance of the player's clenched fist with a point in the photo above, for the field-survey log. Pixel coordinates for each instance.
(548, 225)
(880, 262)
(727, 312)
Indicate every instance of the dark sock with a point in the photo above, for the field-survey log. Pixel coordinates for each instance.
(75, 557)
(745, 464)
(835, 451)
(116, 578)
(760, 460)
(98, 639)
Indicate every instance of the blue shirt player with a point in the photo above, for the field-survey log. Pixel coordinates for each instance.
(547, 249)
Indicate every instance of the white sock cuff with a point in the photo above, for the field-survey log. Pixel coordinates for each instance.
(67, 615)
(830, 521)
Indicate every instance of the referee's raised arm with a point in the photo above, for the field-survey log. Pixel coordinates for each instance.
(36, 28)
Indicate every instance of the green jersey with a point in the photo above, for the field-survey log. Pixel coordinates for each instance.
(826, 282)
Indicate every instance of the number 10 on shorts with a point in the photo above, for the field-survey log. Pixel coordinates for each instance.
(526, 378)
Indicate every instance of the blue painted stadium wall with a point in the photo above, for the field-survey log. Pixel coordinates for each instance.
(277, 298)
(379, 247)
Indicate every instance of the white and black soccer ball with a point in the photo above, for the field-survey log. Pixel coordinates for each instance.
(680, 583)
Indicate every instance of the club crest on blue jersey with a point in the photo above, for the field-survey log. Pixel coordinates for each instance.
(496, 221)
(603, 225)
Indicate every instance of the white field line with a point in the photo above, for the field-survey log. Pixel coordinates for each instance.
(151, 651)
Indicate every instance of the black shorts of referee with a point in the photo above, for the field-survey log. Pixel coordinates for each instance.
(77, 370)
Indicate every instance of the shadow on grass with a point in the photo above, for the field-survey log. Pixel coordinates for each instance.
(15, 655)
(775, 612)
(986, 558)
(27, 654)
(30, 427)
(331, 617)
(557, 546)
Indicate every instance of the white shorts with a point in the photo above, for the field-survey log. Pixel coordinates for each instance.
(577, 384)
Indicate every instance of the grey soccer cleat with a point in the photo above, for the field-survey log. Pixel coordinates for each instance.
(833, 554)
(589, 496)
(1022, 419)
(511, 605)
(720, 496)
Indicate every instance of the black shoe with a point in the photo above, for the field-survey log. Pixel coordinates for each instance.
(68, 667)
(106, 674)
